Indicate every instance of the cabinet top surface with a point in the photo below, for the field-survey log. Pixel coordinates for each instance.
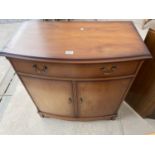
(77, 41)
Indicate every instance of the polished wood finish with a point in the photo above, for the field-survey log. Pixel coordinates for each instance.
(100, 98)
(77, 70)
(142, 94)
(88, 40)
(51, 96)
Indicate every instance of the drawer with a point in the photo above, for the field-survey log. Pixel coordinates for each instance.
(63, 70)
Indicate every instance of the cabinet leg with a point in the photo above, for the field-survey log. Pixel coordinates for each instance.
(41, 114)
(113, 117)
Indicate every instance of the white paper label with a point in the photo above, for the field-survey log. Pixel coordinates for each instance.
(69, 52)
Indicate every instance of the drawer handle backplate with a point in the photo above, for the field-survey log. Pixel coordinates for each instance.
(81, 100)
(37, 69)
(70, 100)
(108, 70)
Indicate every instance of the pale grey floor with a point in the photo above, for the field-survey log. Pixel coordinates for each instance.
(6, 72)
(151, 122)
(18, 114)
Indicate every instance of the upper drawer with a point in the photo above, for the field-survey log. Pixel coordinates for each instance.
(63, 70)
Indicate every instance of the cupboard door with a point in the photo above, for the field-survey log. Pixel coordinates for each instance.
(100, 98)
(51, 96)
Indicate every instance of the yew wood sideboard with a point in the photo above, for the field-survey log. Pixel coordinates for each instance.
(77, 70)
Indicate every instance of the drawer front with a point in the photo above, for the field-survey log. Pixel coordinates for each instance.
(75, 70)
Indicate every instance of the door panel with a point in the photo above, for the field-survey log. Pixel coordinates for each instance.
(100, 98)
(51, 96)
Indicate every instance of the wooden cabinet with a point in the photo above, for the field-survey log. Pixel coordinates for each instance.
(77, 70)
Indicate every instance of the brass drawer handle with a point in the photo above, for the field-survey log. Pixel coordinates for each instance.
(70, 100)
(81, 100)
(107, 70)
(37, 69)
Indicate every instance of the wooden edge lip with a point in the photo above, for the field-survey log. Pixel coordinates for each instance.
(97, 60)
(77, 79)
(69, 118)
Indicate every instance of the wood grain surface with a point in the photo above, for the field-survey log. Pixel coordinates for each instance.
(81, 40)
(77, 70)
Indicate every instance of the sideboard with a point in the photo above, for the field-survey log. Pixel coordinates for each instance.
(77, 70)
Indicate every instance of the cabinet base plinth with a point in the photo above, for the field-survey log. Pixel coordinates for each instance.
(106, 117)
